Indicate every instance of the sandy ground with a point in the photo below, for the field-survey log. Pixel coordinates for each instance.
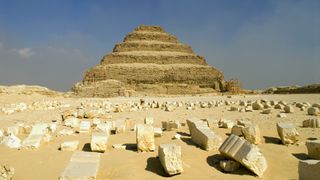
(48, 162)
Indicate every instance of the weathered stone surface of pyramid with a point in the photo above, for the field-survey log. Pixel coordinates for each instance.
(150, 61)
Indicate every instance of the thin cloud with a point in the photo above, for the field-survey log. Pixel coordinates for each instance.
(24, 52)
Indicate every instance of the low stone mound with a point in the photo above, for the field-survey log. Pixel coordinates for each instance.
(28, 90)
(311, 88)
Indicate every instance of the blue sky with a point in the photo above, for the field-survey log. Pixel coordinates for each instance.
(262, 43)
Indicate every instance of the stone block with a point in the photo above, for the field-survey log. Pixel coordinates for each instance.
(202, 135)
(245, 153)
(82, 166)
(71, 122)
(287, 133)
(145, 138)
(170, 158)
(252, 134)
(69, 146)
(148, 120)
(120, 126)
(85, 127)
(99, 142)
(130, 124)
(237, 130)
(309, 169)
(312, 123)
(104, 127)
(170, 125)
(313, 147)
(157, 132)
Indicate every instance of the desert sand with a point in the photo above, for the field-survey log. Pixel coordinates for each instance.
(48, 162)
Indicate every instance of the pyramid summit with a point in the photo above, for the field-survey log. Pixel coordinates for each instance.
(150, 61)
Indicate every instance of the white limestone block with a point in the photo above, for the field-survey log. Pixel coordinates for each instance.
(145, 138)
(245, 153)
(82, 166)
(71, 121)
(148, 120)
(157, 132)
(170, 158)
(202, 135)
(69, 146)
(252, 134)
(85, 127)
(99, 142)
(287, 133)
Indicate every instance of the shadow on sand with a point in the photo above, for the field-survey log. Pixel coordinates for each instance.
(300, 156)
(131, 147)
(214, 161)
(272, 140)
(154, 165)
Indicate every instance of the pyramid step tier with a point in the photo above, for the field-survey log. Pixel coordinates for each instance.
(149, 28)
(150, 36)
(156, 58)
(154, 73)
(151, 46)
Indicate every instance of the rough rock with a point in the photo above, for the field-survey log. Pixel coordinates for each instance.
(313, 147)
(229, 165)
(202, 135)
(245, 153)
(257, 106)
(11, 141)
(145, 138)
(170, 158)
(281, 115)
(288, 109)
(99, 142)
(225, 123)
(287, 133)
(6, 172)
(313, 111)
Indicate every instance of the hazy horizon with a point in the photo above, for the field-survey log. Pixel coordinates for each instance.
(262, 43)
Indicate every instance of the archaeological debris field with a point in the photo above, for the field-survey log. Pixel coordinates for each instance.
(49, 136)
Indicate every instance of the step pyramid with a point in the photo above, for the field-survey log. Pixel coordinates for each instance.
(150, 61)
